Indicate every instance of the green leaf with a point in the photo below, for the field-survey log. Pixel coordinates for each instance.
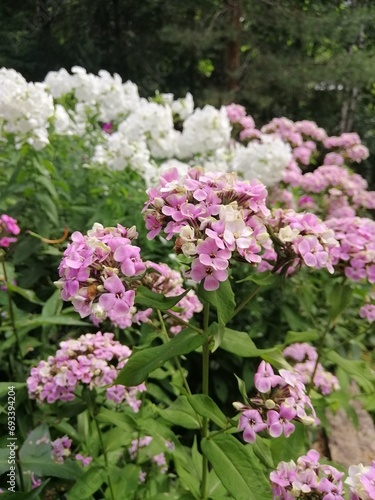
(206, 407)
(306, 336)
(143, 362)
(146, 297)
(35, 456)
(262, 450)
(262, 279)
(285, 449)
(88, 484)
(222, 299)
(5, 387)
(53, 320)
(49, 206)
(339, 299)
(237, 468)
(125, 480)
(181, 413)
(359, 370)
(121, 420)
(30, 495)
(242, 388)
(27, 294)
(239, 343)
(53, 305)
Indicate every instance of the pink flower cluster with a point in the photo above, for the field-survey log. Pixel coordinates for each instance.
(305, 357)
(280, 400)
(361, 481)
(147, 454)
(61, 449)
(299, 238)
(8, 229)
(101, 271)
(307, 479)
(93, 360)
(242, 123)
(169, 282)
(355, 256)
(335, 182)
(215, 216)
(368, 312)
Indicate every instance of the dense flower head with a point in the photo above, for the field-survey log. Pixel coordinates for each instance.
(281, 399)
(101, 271)
(355, 256)
(25, 110)
(93, 360)
(8, 230)
(304, 357)
(307, 479)
(212, 216)
(264, 160)
(361, 481)
(299, 239)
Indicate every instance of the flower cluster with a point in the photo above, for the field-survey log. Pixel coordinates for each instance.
(8, 229)
(355, 256)
(142, 451)
(305, 365)
(61, 449)
(299, 238)
(361, 482)
(93, 360)
(368, 311)
(307, 479)
(101, 271)
(25, 110)
(280, 400)
(265, 160)
(213, 217)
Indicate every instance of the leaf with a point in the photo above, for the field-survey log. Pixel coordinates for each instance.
(125, 480)
(53, 305)
(239, 343)
(15, 386)
(242, 388)
(262, 450)
(121, 420)
(35, 456)
(222, 299)
(30, 495)
(359, 370)
(49, 206)
(148, 298)
(181, 413)
(285, 449)
(262, 279)
(306, 336)
(206, 407)
(88, 484)
(27, 294)
(339, 299)
(236, 467)
(52, 320)
(141, 363)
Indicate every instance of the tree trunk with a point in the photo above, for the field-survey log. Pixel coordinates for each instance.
(233, 49)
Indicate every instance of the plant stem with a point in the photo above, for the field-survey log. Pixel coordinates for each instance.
(330, 327)
(105, 456)
(205, 390)
(175, 359)
(11, 311)
(246, 301)
(18, 461)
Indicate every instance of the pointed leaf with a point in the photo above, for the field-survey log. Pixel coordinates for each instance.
(143, 362)
(206, 407)
(149, 298)
(237, 468)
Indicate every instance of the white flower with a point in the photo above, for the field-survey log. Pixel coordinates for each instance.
(204, 131)
(265, 161)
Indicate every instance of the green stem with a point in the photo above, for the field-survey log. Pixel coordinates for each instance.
(205, 390)
(11, 311)
(105, 455)
(18, 461)
(245, 301)
(175, 359)
(184, 323)
(330, 327)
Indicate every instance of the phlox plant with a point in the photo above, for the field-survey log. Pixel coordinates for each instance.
(212, 295)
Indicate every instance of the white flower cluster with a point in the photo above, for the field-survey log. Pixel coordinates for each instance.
(147, 135)
(265, 160)
(25, 109)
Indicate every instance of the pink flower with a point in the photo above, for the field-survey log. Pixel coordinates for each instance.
(209, 274)
(251, 422)
(118, 301)
(265, 378)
